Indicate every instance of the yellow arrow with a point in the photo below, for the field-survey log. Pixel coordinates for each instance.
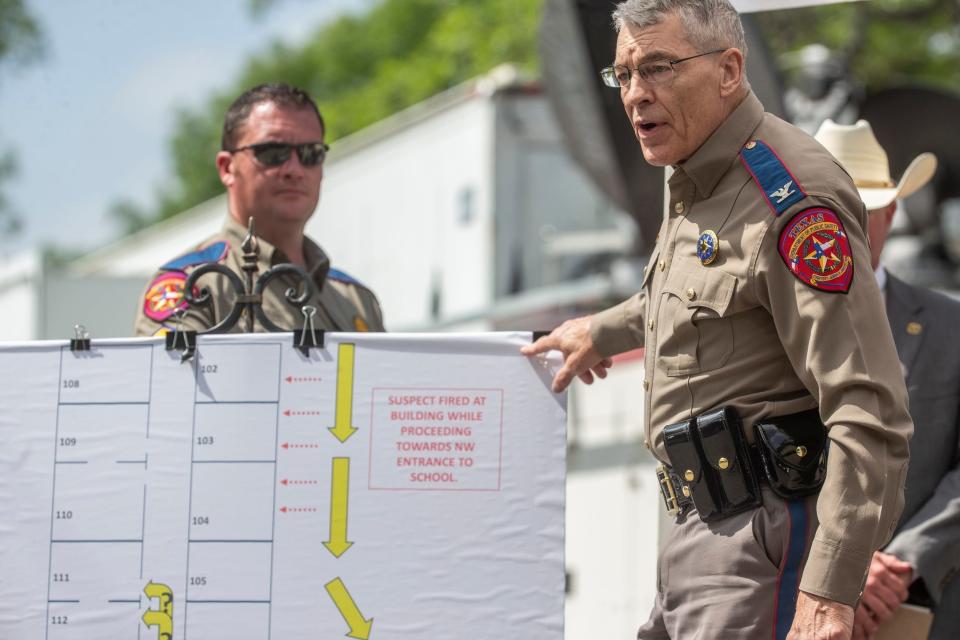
(164, 593)
(359, 626)
(156, 589)
(160, 620)
(342, 428)
(339, 499)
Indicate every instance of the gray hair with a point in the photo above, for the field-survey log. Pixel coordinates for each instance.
(709, 24)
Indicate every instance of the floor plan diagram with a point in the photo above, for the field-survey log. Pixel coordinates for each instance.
(378, 487)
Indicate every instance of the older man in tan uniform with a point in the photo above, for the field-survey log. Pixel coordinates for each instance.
(757, 307)
(271, 164)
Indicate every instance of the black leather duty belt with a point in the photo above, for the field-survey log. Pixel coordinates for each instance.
(675, 489)
(715, 469)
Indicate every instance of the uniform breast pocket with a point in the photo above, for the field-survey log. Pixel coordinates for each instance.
(696, 331)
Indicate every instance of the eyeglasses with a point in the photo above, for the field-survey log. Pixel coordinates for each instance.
(274, 154)
(657, 72)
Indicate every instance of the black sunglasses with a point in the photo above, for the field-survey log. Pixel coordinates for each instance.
(274, 154)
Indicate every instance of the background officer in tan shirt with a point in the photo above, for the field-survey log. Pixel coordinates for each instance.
(757, 308)
(271, 165)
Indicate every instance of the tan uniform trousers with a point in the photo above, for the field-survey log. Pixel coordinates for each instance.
(733, 579)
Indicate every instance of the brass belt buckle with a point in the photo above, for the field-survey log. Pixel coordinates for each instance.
(668, 491)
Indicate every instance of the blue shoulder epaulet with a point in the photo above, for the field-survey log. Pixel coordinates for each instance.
(340, 276)
(780, 189)
(211, 253)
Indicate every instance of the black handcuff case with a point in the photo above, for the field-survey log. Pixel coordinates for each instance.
(793, 453)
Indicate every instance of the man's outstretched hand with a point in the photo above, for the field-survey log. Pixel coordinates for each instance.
(580, 358)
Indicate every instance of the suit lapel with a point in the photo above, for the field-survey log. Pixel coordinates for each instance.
(907, 321)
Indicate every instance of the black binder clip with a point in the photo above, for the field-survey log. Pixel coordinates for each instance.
(308, 337)
(181, 340)
(81, 338)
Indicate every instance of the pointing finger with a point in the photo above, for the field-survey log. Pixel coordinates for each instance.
(542, 345)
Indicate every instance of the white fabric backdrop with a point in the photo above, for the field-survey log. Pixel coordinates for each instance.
(748, 6)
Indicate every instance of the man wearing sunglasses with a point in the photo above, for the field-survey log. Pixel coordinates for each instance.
(271, 164)
(765, 340)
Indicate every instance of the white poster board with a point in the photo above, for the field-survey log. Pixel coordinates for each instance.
(750, 6)
(383, 487)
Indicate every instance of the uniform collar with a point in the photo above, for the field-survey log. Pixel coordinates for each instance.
(712, 160)
(317, 261)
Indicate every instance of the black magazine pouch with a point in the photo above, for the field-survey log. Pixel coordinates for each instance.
(727, 461)
(685, 458)
(793, 451)
(710, 456)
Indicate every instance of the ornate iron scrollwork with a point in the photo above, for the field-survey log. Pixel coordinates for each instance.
(249, 294)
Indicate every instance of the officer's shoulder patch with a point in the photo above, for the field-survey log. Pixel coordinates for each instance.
(816, 249)
(214, 252)
(779, 187)
(164, 296)
(342, 276)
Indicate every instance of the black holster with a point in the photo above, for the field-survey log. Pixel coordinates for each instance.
(710, 456)
(792, 452)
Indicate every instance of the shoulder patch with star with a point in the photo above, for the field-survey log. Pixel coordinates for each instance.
(779, 187)
(164, 296)
(816, 249)
(214, 252)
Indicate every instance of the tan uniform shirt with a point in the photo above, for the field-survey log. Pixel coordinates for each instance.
(745, 331)
(342, 303)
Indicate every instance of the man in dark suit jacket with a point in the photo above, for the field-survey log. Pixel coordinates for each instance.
(922, 560)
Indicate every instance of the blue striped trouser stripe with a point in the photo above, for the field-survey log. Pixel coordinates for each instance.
(789, 581)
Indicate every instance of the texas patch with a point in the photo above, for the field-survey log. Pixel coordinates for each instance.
(165, 296)
(815, 248)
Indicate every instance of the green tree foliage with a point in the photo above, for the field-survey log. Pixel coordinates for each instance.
(360, 69)
(21, 42)
(21, 39)
(10, 223)
(883, 43)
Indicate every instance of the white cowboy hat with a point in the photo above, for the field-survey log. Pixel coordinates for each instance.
(861, 155)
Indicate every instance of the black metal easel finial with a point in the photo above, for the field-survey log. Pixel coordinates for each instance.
(249, 292)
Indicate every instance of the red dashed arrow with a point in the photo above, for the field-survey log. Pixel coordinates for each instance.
(292, 379)
(286, 482)
(295, 445)
(298, 509)
(291, 412)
